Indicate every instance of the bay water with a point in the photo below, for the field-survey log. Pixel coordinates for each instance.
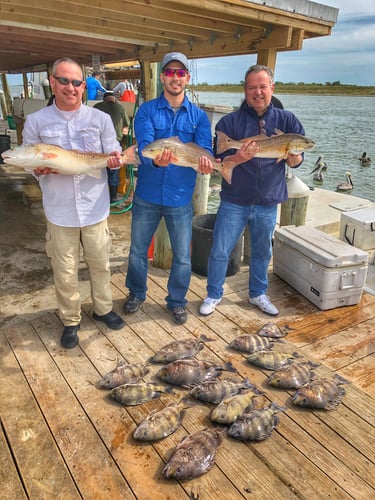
(342, 127)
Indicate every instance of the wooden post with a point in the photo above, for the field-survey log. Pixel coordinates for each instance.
(162, 247)
(293, 210)
(200, 195)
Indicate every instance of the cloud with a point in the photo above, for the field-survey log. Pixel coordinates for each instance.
(346, 56)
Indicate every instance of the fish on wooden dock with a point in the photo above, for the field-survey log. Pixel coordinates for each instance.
(124, 373)
(293, 376)
(187, 155)
(232, 407)
(161, 423)
(271, 330)
(194, 455)
(277, 146)
(321, 393)
(271, 360)
(135, 394)
(180, 349)
(251, 342)
(256, 425)
(63, 161)
(214, 391)
(186, 372)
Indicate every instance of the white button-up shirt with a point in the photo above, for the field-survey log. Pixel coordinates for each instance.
(73, 200)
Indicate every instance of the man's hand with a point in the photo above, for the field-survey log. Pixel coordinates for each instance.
(205, 165)
(293, 160)
(165, 158)
(247, 152)
(114, 162)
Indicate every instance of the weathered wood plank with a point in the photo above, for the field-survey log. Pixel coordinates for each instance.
(43, 472)
(11, 485)
(95, 473)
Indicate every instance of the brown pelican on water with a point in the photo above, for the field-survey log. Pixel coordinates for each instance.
(364, 159)
(346, 186)
(319, 166)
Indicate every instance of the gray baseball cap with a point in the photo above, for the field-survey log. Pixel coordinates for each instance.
(175, 56)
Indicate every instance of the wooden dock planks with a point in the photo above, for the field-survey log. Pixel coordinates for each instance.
(84, 446)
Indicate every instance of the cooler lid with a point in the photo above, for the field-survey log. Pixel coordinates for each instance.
(321, 247)
(364, 216)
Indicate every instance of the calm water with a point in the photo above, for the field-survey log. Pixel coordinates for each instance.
(342, 128)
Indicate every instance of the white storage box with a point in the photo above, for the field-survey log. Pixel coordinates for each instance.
(358, 228)
(325, 270)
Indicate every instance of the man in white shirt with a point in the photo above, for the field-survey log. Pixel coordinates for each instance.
(76, 206)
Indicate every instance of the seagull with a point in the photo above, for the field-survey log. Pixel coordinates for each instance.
(365, 160)
(346, 186)
(319, 165)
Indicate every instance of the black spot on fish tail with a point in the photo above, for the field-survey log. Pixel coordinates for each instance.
(229, 367)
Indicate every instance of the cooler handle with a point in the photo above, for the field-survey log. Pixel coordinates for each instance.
(344, 276)
(347, 237)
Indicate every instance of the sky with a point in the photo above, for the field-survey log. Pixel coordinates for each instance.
(347, 55)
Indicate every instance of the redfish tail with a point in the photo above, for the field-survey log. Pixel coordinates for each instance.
(223, 142)
(129, 156)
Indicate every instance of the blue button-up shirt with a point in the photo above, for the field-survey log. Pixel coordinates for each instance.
(173, 185)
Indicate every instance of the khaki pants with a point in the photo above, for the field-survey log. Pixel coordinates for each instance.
(64, 246)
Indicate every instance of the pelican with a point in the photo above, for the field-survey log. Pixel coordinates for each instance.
(319, 176)
(346, 186)
(364, 159)
(319, 165)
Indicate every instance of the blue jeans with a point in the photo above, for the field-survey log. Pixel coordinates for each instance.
(145, 220)
(113, 176)
(230, 221)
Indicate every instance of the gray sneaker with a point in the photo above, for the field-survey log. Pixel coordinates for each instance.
(264, 304)
(131, 304)
(208, 306)
(179, 315)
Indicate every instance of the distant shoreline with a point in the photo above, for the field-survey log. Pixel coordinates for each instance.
(301, 88)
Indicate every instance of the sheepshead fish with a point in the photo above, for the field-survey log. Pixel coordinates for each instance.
(277, 146)
(292, 376)
(271, 330)
(256, 425)
(186, 372)
(250, 342)
(62, 161)
(180, 349)
(194, 455)
(232, 407)
(214, 391)
(161, 423)
(271, 360)
(135, 394)
(322, 393)
(123, 374)
(187, 155)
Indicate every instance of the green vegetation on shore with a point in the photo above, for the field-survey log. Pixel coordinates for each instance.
(334, 88)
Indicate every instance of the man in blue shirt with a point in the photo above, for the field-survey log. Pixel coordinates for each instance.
(164, 189)
(93, 86)
(258, 186)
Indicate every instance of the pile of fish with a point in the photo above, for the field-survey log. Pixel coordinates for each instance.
(240, 409)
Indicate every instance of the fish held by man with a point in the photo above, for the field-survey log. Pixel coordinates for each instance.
(63, 161)
(277, 146)
(194, 455)
(187, 155)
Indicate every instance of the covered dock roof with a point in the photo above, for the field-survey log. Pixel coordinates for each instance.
(35, 33)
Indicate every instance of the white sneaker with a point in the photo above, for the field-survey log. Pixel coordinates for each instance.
(208, 306)
(264, 304)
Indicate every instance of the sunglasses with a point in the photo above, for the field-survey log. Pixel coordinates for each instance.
(262, 124)
(65, 81)
(171, 72)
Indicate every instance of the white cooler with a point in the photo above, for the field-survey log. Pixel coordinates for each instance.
(325, 270)
(358, 228)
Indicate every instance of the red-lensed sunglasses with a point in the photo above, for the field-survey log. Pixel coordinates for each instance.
(180, 73)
